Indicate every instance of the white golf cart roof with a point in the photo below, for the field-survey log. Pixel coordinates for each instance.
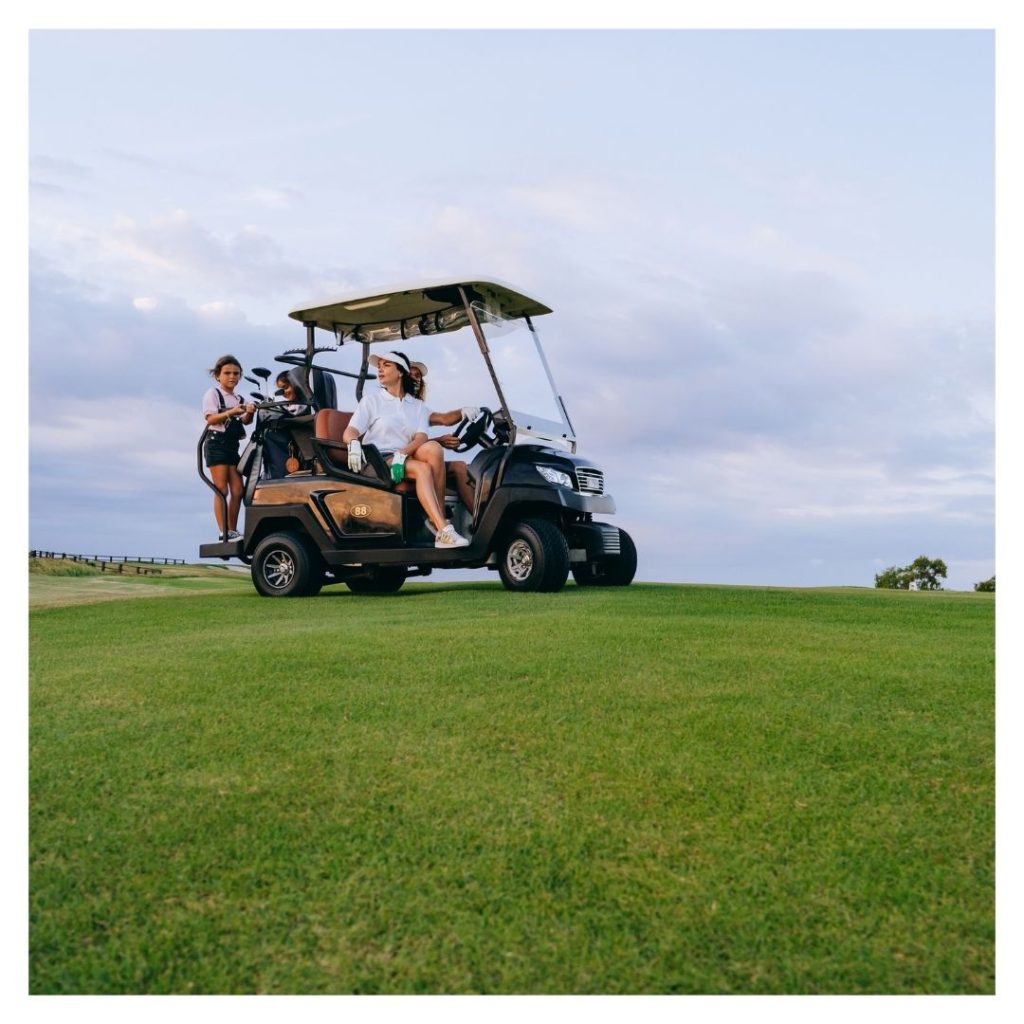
(385, 315)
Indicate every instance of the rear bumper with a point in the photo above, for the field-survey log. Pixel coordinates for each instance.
(221, 549)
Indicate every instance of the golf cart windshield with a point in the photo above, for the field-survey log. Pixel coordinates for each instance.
(448, 326)
(524, 378)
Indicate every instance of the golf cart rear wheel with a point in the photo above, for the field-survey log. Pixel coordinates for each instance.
(283, 566)
(534, 556)
(384, 579)
(613, 571)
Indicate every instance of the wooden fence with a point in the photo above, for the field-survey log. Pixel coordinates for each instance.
(113, 563)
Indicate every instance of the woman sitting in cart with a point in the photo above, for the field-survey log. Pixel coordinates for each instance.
(456, 471)
(397, 423)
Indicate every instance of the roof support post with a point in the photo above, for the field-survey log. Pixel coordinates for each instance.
(486, 353)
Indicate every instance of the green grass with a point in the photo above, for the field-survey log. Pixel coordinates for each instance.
(51, 587)
(61, 567)
(456, 789)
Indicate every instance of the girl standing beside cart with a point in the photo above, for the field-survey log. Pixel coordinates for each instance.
(225, 414)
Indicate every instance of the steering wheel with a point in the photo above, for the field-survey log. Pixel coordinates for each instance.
(474, 432)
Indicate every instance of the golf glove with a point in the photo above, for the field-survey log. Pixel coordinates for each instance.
(398, 467)
(356, 461)
(470, 412)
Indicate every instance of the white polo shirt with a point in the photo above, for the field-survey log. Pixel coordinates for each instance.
(211, 405)
(388, 422)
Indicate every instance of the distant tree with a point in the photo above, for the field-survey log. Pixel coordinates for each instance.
(986, 586)
(923, 571)
(927, 572)
(893, 578)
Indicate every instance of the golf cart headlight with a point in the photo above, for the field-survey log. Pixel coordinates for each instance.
(555, 476)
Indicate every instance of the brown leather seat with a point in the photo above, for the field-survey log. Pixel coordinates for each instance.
(329, 431)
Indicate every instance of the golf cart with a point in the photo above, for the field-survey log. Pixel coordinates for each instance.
(534, 498)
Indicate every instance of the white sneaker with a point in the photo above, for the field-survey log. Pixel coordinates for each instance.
(234, 535)
(448, 538)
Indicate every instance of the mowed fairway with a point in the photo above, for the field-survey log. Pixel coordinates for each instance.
(662, 789)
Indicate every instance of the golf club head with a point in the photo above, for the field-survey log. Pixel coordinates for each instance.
(252, 380)
(261, 371)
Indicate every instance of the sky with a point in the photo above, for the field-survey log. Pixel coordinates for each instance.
(770, 256)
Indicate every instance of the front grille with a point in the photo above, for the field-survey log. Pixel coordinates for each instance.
(591, 481)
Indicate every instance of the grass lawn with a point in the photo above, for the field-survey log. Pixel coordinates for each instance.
(662, 789)
(51, 592)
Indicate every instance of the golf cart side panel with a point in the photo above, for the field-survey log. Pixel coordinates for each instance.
(345, 512)
(509, 504)
(423, 557)
(260, 521)
(361, 514)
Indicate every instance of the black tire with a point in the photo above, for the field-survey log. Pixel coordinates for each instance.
(534, 556)
(284, 566)
(384, 579)
(615, 571)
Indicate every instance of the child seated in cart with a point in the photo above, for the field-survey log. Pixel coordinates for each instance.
(277, 444)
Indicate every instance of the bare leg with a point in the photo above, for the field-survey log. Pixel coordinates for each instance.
(235, 500)
(431, 453)
(423, 478)
(220, 480)
(460, 474)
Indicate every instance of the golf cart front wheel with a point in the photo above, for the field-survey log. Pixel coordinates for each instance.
(534, 556)
(283, 566)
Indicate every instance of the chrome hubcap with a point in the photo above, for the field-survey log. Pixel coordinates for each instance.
(278, 569)
(519, 560)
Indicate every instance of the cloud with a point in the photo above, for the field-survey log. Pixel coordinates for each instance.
(744, 381)
(113, 472)
(749, 402)
(136, 159)
(576, 204)
(222, 311)
(52, 177)
(50, 190)
(60, 166)
(88, 343)
(178, 258)
(83, 427)
(271, 198)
